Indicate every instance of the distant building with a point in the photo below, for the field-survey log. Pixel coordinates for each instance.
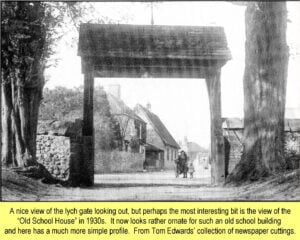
(233, 135)
(116, 120)
(161, 148)
(132, 127)
(194, 151)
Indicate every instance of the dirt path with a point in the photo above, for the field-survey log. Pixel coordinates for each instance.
(151, 186)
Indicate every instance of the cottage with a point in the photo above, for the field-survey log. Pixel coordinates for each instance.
(128, 131)
(161, 148)
(132, 127)
(233, 135)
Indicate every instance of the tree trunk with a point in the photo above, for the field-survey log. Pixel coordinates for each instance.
(264, 91)
(19, 123)
(7, 138)
(24, 50)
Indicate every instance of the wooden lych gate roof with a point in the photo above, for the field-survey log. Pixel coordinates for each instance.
(135, 50)
(128, 51)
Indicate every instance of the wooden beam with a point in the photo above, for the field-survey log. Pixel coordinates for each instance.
(88, 98)
(148, 73)
(130, 41)
(217, 141)
(87, 165)
(155, 68)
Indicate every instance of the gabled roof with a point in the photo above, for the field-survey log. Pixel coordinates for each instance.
(238, 123)
(151, 147)
(148, 41)
(118, 107)
(160, 128)
(195, 147)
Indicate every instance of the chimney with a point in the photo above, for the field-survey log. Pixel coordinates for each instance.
(185, 144)
(148, 106)
(185, 140)
(115, 90)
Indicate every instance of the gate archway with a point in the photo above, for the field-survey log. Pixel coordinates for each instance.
(135, 51)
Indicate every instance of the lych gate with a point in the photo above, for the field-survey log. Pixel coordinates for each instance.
(135, 51)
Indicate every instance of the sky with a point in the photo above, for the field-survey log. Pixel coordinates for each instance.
(182, 104)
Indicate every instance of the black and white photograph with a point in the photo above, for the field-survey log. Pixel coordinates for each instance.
(150, 101)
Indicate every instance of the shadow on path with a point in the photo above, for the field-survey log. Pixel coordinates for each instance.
(126, 185)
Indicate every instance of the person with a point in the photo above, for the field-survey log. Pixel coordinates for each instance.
(191, 169)
(181, 164)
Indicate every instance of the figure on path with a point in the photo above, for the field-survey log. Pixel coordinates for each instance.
(191, 169)
(181, 164)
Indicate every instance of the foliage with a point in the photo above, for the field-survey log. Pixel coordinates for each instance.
(66, 104)
(30, 33)
(61, 103)
(24, 32)
(31, 30)
(135, 143)
(27, 30)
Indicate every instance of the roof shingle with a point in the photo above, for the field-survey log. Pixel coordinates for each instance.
(118, 107)
(147, 41)
(160, 128)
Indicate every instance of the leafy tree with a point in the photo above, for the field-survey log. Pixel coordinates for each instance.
(27, 31)
(66, 104)
(30, 32)
(61, 103)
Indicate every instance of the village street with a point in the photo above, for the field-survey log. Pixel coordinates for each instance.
(153, 179)
(151, 186)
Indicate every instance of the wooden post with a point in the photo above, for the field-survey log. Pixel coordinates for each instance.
(87, 166)
(217, 152)
(1, 137)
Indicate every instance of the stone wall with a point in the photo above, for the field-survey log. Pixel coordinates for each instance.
(59, 147)
(292, 149)
(54, 153)
(118, 161)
